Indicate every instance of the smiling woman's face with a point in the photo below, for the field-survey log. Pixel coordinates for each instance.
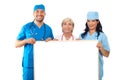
(92, 24)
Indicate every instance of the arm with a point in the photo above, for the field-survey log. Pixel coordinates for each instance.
(77, 39)
(48, 39)
(102, 50)
(20, 43)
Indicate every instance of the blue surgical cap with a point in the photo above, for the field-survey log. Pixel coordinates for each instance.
(92, 15)
(40, 6)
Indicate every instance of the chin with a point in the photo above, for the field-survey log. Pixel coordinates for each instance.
(40, 20)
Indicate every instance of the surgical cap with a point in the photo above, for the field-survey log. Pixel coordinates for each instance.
(92, 15)
(40, 6)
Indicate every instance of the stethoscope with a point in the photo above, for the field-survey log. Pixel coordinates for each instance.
(63, 36)
(33, 31)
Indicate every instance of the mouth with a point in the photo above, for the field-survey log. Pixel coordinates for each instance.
(40, 17)
(91, 26)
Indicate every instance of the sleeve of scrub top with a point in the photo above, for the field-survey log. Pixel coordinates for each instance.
(21, 35)
(105, 43)
(51, 34)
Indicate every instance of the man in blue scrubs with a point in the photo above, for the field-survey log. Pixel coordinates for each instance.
(93, 31)
(29, 34)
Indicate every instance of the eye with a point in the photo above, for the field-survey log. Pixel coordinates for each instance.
(88, 20)
(64, 24)
(70, 24)
(93, 20)
(37, 11)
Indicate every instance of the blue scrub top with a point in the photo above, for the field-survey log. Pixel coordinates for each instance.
(30, 30)
(103, 39)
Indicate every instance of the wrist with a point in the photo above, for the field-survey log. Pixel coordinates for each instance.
(25, 41)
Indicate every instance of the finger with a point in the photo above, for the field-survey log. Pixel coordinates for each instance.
(33, 41)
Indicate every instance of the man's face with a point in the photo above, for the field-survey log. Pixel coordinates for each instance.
(39, 15)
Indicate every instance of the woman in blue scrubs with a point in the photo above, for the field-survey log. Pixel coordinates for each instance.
(93, 31)
(29, 34)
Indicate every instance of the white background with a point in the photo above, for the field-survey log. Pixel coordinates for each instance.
(15, 13)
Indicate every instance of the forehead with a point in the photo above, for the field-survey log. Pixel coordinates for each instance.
(40, 10)
(92, 20)
(67, 21)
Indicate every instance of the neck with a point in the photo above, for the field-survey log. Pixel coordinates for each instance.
(67, 35)
(39, 24)
(91, 32)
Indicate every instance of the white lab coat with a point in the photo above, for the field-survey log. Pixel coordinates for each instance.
(62, 38)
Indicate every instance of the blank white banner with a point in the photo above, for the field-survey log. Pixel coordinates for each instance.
(72, 60)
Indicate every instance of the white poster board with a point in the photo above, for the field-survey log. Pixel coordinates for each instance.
(72, 60)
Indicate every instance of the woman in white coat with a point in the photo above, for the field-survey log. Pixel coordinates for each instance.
(67, 29)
